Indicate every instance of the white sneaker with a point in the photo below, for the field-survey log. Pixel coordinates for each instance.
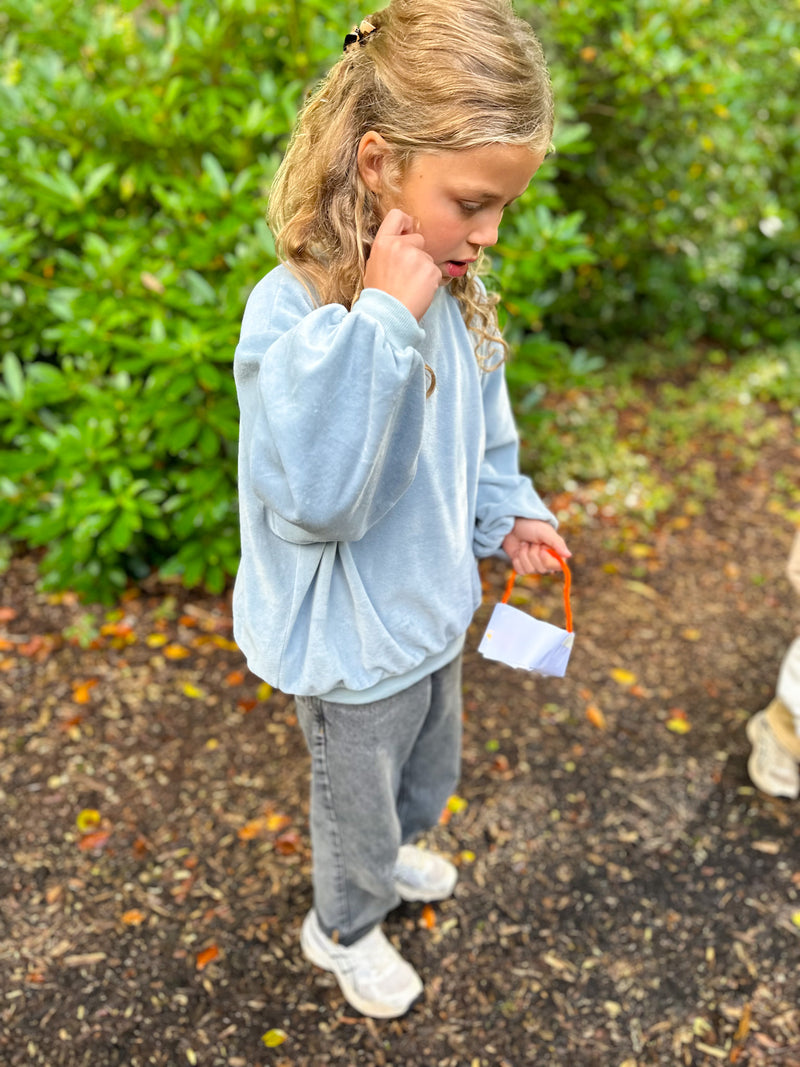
(772, 769)
(422, 875)
(371, 973)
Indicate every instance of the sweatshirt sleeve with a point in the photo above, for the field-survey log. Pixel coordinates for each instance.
(332, 407)
(503, 493)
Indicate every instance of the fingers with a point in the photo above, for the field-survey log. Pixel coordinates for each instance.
(399, 265)
(536, 559)
(396, 224)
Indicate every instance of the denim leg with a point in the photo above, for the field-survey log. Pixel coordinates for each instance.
(358, 752)
(431, 773)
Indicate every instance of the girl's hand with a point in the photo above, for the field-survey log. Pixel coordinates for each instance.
(399, 265)
(527, 545)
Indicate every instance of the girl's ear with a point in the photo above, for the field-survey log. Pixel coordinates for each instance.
(373, 158)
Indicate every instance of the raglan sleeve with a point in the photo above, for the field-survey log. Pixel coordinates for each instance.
(332, 406)
(503, 492)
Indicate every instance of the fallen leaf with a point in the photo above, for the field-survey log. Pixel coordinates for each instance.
(95, 841)
(252, 829)
(206, 956)
(596, 717)
(678, 725)
(288, 843)
(176, 652)
(134, 917)
(428, 917)
(264, 691)
(87, 820)
(691, 634)
(193, 691)
(622, 676)
(743, 1029)
(277, 821)
(81, 690)
(246, 705)
(234, 678)
(273, 1038)
(156, 640)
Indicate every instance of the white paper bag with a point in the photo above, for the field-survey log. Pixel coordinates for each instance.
(519, 640)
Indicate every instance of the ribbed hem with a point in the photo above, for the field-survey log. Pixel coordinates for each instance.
(387, 687)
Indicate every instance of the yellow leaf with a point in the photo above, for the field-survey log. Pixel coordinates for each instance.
(88, 819)
(796, 918)
(469, 857)
(623, 677)
(691, 635)
(190, 690)
(276, 822)
(176, 652)
(273, 1038)
(264, 691)
(224, 643)
(678, 725)
(456, 804)
(156, 640)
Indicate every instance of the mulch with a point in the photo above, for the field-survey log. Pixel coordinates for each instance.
(626, 897)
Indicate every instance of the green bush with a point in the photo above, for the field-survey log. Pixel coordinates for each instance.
(690, 190)
(137, 146)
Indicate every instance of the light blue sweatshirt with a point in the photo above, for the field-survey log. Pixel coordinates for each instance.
(363, 503)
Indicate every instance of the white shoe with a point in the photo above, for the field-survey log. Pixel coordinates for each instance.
(422, 875)
(772, 769)
(371, 973)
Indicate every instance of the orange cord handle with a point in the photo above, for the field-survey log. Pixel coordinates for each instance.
(567, 586)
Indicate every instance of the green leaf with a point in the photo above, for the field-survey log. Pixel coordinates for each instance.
(13, 376)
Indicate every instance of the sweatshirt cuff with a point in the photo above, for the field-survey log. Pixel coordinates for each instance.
(398, 323)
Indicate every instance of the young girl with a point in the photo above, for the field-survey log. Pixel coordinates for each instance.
(378, 454)
(775, 732)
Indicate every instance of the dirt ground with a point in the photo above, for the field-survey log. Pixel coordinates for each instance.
(626, 897)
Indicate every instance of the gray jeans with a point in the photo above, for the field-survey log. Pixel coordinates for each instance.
(381, 774)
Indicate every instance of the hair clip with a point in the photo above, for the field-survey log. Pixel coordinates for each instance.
(359, 34)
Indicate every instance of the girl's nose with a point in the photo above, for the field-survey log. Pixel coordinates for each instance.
(486, 233)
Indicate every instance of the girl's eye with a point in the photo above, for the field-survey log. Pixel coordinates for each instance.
(468, 207)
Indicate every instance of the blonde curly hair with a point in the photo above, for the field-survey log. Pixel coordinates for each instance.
(434, 76)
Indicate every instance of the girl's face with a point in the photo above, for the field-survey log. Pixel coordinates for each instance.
(458, 199)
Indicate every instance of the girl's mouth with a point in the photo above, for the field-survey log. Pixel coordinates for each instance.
(457, 268)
